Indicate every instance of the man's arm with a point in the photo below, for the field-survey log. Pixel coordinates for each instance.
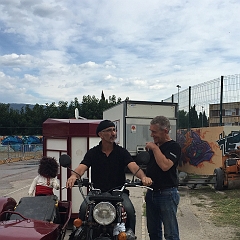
(135, 169)
(164, 163)
(81, 168)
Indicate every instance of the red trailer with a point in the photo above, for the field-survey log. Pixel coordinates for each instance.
(73, 137)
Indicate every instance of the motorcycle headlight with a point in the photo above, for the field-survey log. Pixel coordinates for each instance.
(104, 213)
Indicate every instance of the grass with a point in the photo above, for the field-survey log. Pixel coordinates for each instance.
(225, 205)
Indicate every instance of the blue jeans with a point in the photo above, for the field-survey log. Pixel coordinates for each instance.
(161, 209)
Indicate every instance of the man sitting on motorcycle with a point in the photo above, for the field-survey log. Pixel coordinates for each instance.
(108, 162)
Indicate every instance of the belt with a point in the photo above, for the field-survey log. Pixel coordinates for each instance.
(164, 189)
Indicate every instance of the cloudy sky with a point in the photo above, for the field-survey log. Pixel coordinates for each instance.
(56, 50)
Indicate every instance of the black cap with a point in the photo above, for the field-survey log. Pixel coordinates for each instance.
(103, 125)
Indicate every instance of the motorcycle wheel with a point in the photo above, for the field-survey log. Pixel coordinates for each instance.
(79, 234)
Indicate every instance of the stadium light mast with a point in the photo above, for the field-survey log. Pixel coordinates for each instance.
(178, 86)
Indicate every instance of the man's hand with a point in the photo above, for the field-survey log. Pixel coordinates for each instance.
(147, 181)
(150, 146)
(70, 182)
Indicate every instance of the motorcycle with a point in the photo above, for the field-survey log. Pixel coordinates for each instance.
(35, 218)
(105, 216)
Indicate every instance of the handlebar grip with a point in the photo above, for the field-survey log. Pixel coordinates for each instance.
(76, 182)
(82, 182)
(137, 182)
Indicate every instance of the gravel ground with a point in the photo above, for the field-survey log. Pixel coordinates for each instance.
(194, 221)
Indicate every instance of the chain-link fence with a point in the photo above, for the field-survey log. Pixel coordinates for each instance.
(225, 89)
(18, 152)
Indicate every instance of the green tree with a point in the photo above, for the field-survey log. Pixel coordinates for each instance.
(183, 119)
(89, 107)
(51, 110)
(103, 105)
(4, 118)
(205, 120)
(72, 106)
(194, 121)
(63, 110)
(28, 121)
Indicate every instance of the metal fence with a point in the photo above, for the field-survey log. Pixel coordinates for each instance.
(206, 93)
(18, 152)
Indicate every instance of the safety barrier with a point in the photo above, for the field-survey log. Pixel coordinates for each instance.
(20, 152)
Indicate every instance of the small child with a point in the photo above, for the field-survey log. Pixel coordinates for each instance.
(46, 180)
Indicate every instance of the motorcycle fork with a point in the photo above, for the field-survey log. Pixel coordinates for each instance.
(121, 213)
(90, 220)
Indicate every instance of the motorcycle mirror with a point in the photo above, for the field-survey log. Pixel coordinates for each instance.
(65, 160)
(142, 158)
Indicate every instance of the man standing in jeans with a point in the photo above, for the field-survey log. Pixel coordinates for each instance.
(162, 202)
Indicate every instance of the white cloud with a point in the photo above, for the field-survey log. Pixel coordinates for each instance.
(17, 69)
(29, 79)
(89, 65)
(58, 50)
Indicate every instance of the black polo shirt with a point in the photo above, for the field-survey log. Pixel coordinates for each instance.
(107, 172)
(165, 179)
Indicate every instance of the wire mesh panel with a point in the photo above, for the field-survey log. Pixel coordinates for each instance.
(231, 88)
(203, 95)
(18, 152)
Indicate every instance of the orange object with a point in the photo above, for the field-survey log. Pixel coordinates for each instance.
(122, 236)
(77, 222)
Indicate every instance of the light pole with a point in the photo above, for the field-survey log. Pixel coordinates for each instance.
(178, 86)
(202, 115)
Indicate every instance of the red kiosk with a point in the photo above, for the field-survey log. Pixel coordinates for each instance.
(73, 137)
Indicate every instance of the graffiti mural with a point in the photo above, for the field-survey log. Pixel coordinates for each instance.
(205, 149)
(230, 142)
(195, 151)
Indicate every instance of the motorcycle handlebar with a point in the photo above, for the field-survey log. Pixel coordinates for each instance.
(130, 183)
(137, 183)
(86, 183)
(82, 182)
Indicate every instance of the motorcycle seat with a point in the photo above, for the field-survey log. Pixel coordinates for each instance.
(42, 208)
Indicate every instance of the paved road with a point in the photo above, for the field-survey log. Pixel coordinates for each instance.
(15, 179)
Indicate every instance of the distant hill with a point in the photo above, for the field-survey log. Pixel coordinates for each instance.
(18, 106)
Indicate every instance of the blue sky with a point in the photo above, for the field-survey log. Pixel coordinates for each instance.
(56, 50)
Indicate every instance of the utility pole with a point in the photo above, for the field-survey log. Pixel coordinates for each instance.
(178, 86)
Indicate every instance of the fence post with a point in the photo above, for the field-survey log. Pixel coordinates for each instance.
(8, 151)
(221, 101)
(189, 108)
